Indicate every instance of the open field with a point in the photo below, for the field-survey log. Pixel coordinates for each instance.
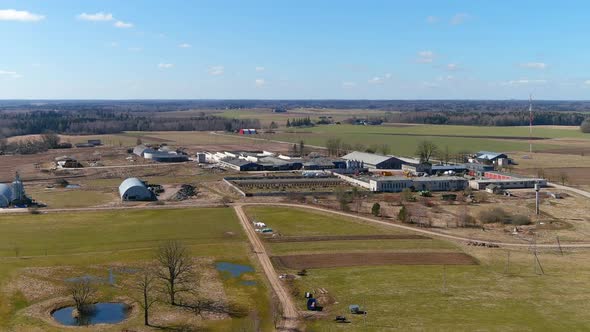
(299, 222)
(92, 243)
(403, 140)
(494, 295)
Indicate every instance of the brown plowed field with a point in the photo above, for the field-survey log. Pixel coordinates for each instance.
(345, 237)
(370, 259)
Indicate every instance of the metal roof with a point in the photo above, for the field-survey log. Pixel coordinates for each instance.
(5, 195)
(367, 158)
(129, 183)
(488, 155)
(439, 178)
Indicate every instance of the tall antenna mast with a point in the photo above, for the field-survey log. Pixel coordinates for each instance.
(530, 123)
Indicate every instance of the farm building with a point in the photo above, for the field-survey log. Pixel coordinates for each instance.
(163, 155)
(141, 149)
(399, 183)
(133, 189)
(440, 183)
(14, 194)
(241, 165)
(323, 163)
(390, 184)
(247, 131)
(67, 162)
(476, 169)
(372, 160)
(95, 142)
(512, 183)
(5, 195)
(488, 157)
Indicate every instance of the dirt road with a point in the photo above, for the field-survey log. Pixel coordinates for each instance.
(290, 315)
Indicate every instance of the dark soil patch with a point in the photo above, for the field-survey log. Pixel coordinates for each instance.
(344, 237)
(370, 259)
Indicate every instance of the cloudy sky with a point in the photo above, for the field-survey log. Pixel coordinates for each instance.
(90, 49)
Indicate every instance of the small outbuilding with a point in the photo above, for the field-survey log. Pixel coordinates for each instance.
(133, 189)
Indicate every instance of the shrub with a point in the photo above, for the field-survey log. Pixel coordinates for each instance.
(404, 215)
(407, 195)
(376, 209)
(585, 126)
(520, 220)
(494, 215)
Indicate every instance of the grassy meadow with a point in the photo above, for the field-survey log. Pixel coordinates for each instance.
(78, 243)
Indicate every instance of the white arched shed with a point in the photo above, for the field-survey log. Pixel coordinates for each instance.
(133, 189)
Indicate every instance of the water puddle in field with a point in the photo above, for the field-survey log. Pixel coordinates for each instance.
(100, 313)
(235, 270)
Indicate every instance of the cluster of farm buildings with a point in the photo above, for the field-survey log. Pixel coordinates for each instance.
(374, 172)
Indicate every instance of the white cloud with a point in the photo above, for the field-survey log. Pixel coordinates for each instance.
(10, 74)
(216, 70)
(387, 75)
(96, 17)
(452, 66)
(348, 85)
(446, 78)
(259, 68)
(376, 80)
(185, 45)
(165, 65)
(587, 82)
(534, 65)
(431, 19)
(113, 44)
(19, 15)
(135, 49)
(123, 25)
(524, 82)
(459, 18)
(260, 82)
(430, 84)
(425, 56)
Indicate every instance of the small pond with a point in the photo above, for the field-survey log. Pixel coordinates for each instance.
(103, 313)
(235, 270)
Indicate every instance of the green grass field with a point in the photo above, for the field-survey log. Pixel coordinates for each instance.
(403, 140)
(405, 298)
(295, 221)
(82, 241)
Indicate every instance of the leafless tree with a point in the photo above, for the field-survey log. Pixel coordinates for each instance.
(82, 291)
(176, 269)
(425, 150)
(563, 178)
(145, 285)
(50, 139)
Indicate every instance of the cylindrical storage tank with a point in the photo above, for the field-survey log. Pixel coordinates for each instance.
(5, 195)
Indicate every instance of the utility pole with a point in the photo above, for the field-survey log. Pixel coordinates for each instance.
(531, 123)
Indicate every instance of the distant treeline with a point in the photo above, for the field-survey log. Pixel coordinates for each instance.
(385, 105)
(480, 118)
(300, 122)
(109, 122)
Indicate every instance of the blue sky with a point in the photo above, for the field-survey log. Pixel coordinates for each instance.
(294, 49)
